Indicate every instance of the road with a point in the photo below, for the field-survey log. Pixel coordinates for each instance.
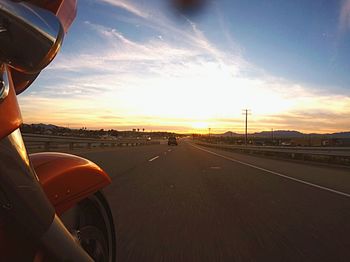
(191, 203)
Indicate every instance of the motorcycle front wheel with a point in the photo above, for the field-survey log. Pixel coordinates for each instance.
(91, 224)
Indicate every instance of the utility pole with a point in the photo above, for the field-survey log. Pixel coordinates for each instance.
(246, 112)
(209, 132)
(272, 135)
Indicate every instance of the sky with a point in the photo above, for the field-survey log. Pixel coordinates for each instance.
(143, 64)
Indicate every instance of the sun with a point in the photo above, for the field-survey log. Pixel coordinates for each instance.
(200, 125)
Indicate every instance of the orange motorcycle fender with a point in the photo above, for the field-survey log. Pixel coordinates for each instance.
(67, 179)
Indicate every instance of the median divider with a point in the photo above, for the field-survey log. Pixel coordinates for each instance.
(329, 155)
(38, 143)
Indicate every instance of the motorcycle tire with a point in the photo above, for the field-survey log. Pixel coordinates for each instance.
(91, 224)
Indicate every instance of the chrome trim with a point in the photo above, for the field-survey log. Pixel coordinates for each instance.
(24, 201)
(21, 195)
(29, 15)
(30, 36)
(16, 139)
(4, 84)
(61, 245)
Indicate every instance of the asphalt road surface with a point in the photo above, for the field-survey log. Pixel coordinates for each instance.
(191, 203)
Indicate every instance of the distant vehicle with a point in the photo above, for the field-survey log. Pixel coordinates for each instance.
(286, 144)
(172, 141)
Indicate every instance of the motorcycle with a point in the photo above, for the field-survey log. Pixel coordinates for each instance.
(51, 204)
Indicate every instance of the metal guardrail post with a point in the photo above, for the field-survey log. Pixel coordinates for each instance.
(47, 146)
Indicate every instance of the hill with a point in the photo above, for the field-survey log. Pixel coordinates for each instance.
(285, 134)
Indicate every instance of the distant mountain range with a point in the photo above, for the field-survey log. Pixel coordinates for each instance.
(49, 129)
(262, 134)
(285, 134)
(46, 126)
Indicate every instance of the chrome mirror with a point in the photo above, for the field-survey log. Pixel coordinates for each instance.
(30, 36)
(4, 83)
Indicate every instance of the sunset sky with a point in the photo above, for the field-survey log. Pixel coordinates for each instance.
(139, 64)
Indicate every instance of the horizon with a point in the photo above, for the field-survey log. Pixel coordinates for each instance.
(127, 64)
(185, 133)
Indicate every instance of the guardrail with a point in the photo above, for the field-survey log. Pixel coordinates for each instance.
(334, 155)
(35, 142)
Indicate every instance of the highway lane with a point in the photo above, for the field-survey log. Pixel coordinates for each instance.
(315, 174)
(188, 204)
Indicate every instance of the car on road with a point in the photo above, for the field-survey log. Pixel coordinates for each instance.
(172, 141)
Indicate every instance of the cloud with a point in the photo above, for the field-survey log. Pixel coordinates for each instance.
(117, 49)
(128, 6)
(160, 21)
(171, 82)
(312, 121)
(344, 17)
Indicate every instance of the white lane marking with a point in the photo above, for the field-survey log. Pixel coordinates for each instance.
(154, 158)
(169, 150)
(276, 173)
(215, 167)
